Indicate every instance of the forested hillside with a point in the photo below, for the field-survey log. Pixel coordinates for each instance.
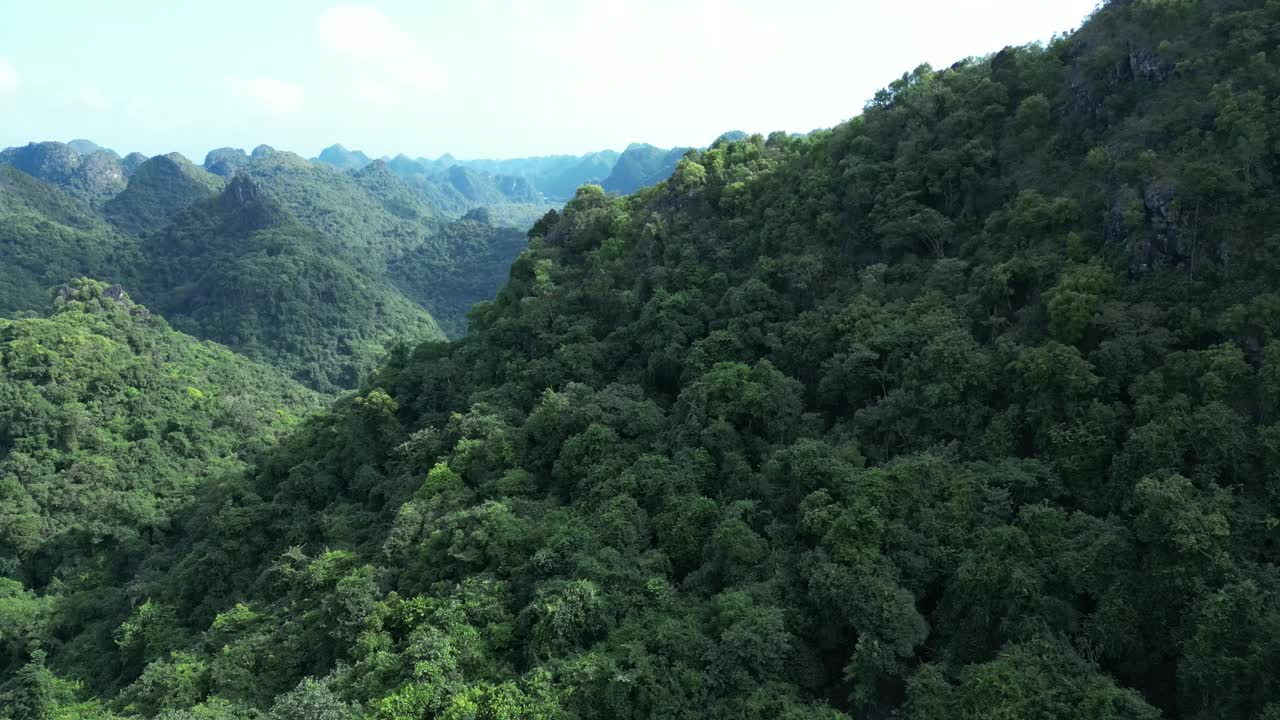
(47, 238)
(239, 269)
(966, 408)
(111, 426)
(316, 271)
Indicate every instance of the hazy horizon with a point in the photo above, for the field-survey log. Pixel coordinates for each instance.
(494, 79)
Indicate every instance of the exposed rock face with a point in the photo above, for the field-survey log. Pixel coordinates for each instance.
(246, 209)
(242, 191)
(1114, 231)
(1146, 65)
(1162, 244)
(94, 296)
(102, 172)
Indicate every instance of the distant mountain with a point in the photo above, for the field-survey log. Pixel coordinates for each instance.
(158, 190)
(342, 158)
(48, 237)
(556, 176)
(93, 178)
(463, 263)
(458, 189)
(240, 269)
(87, 147)
(226, 161)
(392, 191)
(132, 162)
(642, 165)
(731, 136)
(294, 263)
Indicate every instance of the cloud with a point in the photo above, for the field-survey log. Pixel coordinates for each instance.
(8, 76)
(92, 100)
(272, 96)
(365, 35)
(376, 95)
(362, 32)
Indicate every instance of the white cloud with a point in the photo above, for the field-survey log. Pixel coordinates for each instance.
(362, 32)
(383, 50)
(8, 76)
(92, 100)
(376, 95)
(273, 97)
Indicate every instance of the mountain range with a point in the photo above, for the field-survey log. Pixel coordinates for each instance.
(317, 271)
(965, 409)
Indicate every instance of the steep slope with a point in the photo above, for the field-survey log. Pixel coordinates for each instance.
(963, 409)
(642, 165)
(465, 262)
(111, 424)
(241, 270)
(47, 237)
(334, 204)
(158, 190)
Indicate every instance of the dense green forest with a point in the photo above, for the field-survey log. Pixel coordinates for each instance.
(966, 408)
(111, 425)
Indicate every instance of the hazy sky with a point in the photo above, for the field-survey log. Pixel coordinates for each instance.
(484, 78)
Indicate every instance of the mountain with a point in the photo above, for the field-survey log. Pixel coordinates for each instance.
(86, 147)
(111, 427)
(226, 161)
(481, 190)
(496, 182)
(367, 237)
(556, 176)
(458, 189)
(93, 178)
(158, 190)
(132, 162)
(590, 169)
(965, 408)
(240, 269)
(642, 165)
(342, 158)
(464, 263)
(392, 192)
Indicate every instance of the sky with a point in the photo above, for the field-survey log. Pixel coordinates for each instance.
(478, 79)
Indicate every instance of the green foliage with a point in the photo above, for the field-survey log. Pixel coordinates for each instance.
(955, 410)
(158, 190)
